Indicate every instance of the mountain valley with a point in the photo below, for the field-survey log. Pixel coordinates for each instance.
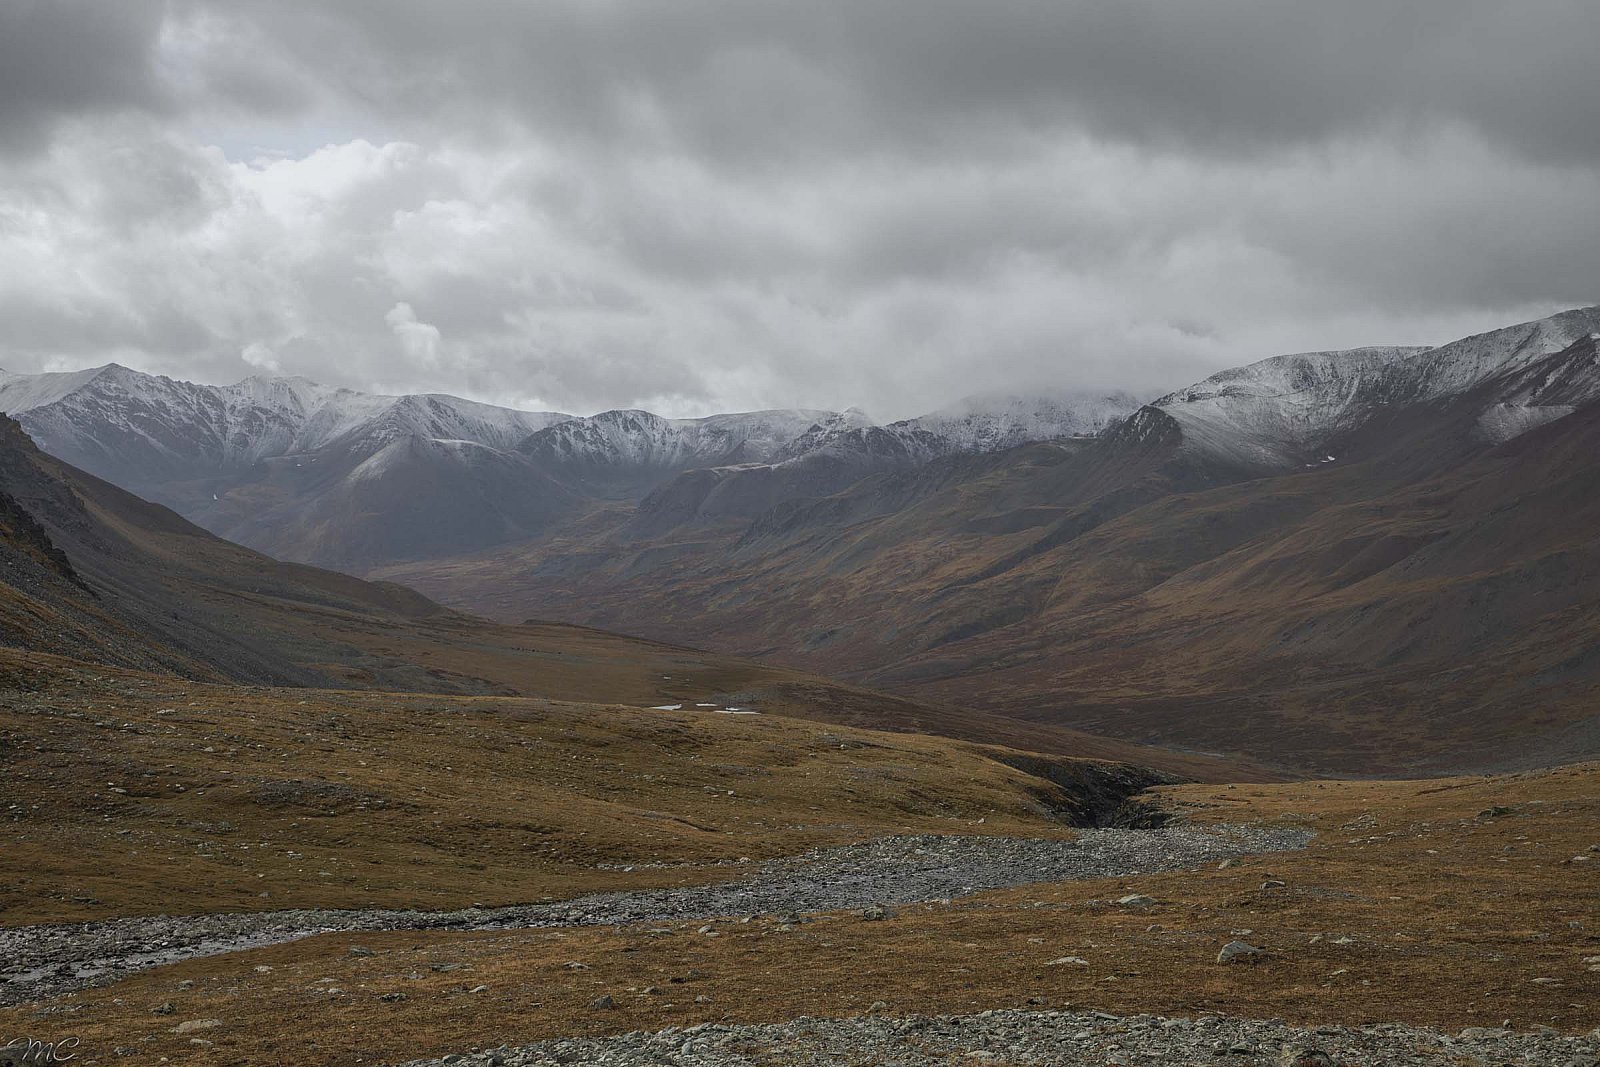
(1292, 547)
(1022, 677)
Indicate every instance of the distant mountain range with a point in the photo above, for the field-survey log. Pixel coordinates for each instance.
(1366, 561)
(352, 480)
(1372, 561)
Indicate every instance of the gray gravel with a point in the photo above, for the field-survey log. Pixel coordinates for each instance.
(41, 961)
(1059, 1039)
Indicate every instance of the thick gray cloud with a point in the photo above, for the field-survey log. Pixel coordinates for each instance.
(694, 205)
(59, 58)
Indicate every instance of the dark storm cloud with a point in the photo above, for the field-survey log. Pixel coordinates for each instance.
(694, 204)
(63, 58)
(773, 77)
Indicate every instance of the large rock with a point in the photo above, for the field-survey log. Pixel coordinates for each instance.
(1239, 952)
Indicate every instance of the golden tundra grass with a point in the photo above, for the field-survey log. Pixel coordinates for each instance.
(135, 794)
(1408, 907)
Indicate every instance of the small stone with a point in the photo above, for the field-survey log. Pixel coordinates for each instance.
(602, 1004)
(876, 913)
(479, 989)
(1067, 961)
(1136, 900)
(357, 950)
(1310, 1057)
(165, 1009)
(392, 998)
(1273, 883)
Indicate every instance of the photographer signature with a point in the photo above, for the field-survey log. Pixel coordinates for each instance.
(27, 1052)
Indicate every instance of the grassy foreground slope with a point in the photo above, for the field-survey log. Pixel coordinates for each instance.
(1450, 903)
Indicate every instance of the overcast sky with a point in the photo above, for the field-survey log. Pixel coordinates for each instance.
(693, 206)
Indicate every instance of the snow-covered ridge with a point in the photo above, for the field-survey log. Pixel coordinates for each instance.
(1271, 412)
(985, 423)
(191, 446)
(1280, 411)
(117, 417)
(643, 440)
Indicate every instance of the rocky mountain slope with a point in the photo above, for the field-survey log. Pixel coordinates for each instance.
(1372, 561)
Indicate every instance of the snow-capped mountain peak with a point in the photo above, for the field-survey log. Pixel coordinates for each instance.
(132, 427)
(1279, 411)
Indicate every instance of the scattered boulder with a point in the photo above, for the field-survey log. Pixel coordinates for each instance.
(1239, 952)
(192, 1025)
(1136, 900)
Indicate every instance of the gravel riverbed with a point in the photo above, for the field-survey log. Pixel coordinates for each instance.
(1059, 1039)
(48, 960)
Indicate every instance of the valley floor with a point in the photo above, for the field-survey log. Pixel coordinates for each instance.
(1445, 905)
(877, 874)
(941, 910)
